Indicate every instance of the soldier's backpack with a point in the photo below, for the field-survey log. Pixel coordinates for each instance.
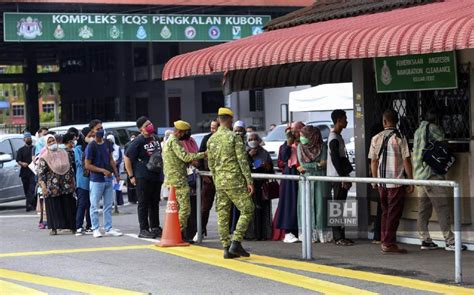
(437, 155)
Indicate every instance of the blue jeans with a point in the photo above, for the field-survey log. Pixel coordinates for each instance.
(83, 208)
(97, 191)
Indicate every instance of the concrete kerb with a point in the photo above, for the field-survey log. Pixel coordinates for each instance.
(305, 182)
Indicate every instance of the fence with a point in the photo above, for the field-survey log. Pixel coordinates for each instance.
(305, 182)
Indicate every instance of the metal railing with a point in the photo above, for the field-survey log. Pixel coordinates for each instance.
(305, 182)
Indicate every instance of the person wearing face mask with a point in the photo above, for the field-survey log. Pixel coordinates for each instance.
(118, 158)
(70, 142)
(147, 182)
(312, 155)
(24, 156)
(176, 161)
(82, 183)
(287, 219)
(239, 129)
(100, 162)
(56, 178)
(260, 228)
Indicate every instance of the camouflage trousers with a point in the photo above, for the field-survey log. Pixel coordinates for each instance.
(184, 205)
(243, 201)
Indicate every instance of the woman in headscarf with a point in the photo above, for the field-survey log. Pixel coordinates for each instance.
(260, 228)
(312, 155)
(56, 178)
(286, 216)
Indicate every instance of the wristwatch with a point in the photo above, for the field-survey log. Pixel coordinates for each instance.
(133, 176)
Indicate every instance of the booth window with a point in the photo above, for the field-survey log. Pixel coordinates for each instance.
(256, 101)
(453, 104)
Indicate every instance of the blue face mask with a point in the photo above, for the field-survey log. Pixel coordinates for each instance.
(53, 147)
(62, 146)
(100, 133)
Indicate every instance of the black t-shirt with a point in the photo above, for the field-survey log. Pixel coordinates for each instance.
(25, 154)
(139, 152)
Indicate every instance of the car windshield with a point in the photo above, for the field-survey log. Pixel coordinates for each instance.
(277, 134)
(198, 138)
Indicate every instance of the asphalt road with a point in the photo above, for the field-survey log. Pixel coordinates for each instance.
(32, 262)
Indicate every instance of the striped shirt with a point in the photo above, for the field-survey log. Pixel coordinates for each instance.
(420, 169)
(391, 165)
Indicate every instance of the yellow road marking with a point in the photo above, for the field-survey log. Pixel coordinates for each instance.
(67, 251)
(62, 283)
(12, 289)
(361, 275)
(214, 257)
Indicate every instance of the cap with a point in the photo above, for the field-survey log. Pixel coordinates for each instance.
(239, 124)
(182, 125)
(225, 111)
(26, 135)
(141, 121)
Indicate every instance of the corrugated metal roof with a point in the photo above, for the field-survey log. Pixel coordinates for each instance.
(324, 10)
(436, 27)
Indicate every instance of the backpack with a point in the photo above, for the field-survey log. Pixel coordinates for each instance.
(155, 163)
(437, 155)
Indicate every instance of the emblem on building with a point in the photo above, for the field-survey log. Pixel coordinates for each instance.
(236, 32)
(114, 32)
(190, 32)
(141, 33)
(257, 30)
(58, 32)
(29, 28)
(214, 32)
(165, 32)
(385, 75)
(86, 32)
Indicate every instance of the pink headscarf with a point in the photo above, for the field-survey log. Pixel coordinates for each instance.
(58, 161)
(296, 126)
(190, 145)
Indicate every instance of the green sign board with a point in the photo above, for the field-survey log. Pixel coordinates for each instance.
(416, 72)
(67, 27)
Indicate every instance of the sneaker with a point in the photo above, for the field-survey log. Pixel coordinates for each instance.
(428, 246)
(290, 238)
(79, 232)
(113, 232)
(97, 234)
(451, 247)
(195, 239)
(144, 234)
(88, 231)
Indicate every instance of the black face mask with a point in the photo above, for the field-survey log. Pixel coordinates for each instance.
(29, 142)
(185, 136)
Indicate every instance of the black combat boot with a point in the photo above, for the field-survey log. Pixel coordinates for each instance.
(228, 255)
(237, 249)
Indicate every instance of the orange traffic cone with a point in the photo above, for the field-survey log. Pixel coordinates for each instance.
(172, 232)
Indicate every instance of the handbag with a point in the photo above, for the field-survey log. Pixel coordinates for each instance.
(270, 190)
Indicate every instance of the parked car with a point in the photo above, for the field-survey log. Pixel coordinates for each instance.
(11, 188)
(121, 130)
(277, 137)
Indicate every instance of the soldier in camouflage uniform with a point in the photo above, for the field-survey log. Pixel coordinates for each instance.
(175, 162)
(229, 165)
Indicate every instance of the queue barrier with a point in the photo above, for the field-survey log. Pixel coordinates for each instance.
(305, 182)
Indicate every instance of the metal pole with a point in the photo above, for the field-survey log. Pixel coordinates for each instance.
(457, 234)
(309, 225)
(198, 208)
(304, 246)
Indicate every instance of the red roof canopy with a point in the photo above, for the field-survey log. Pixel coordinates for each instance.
(287, 3)
(442, 26)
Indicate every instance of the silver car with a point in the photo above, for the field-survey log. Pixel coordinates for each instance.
(11, 188)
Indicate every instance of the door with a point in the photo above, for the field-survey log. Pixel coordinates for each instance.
(174, 109)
